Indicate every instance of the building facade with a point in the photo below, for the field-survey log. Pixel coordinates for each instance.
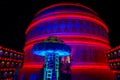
(78, 26)
(114, 60)
(11, 62)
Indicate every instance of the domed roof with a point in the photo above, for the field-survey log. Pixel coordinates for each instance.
(65, 10)
(77, 25)
(65, 6)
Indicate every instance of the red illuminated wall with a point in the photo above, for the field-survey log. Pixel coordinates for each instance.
(78, 26)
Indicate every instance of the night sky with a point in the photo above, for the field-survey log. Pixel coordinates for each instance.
(15, 16)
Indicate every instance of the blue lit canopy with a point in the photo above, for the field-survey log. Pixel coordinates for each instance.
(51, 45)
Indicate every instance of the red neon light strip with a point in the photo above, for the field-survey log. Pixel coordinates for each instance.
(115, 60)
(32, 66)
(10, 59)
(7, 69)
(72, 41)
(90, 67)
(10, 50)
(67, 16)
(67, 12)
(72, 67)
(112, 50)
(65, 4)
(116, 71)
(68, 36)
(95, 43)
(87, 42)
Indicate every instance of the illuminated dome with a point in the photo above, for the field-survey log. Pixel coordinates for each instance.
(75, 24)
(78, 26)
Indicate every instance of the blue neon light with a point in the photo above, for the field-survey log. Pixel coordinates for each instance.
(44, 48)
(51, 48)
